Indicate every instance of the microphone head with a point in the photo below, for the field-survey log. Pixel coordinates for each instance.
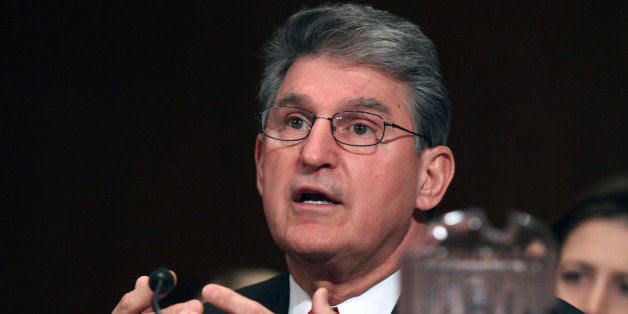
(161, 281)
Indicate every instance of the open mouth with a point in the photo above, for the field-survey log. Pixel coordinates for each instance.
(309, 197)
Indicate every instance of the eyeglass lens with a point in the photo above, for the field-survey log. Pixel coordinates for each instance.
(349, 127)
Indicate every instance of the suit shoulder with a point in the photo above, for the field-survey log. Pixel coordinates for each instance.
(273, 294)
(274, 285)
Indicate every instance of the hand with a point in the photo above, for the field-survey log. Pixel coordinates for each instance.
(232, 302)
(139, 301)
(320, 302)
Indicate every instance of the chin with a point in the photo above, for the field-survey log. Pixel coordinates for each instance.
(310, 248)
(310, 256)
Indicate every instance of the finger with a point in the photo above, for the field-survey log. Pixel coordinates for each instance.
(139, 299)
(320, 302)
(136, 300)
(192, 306)
(230, 301)
(189, 307)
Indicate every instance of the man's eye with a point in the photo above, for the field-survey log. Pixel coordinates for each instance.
(360, 129)
(296, 123)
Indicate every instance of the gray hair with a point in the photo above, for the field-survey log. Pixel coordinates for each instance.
(360, 34)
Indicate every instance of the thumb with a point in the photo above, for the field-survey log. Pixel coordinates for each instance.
(320, 302)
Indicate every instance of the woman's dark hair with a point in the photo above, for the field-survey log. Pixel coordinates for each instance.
(608, 201)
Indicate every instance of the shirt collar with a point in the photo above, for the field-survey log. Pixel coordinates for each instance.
(380, 298)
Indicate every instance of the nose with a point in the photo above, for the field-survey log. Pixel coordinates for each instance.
(596, 300)
(320, 149)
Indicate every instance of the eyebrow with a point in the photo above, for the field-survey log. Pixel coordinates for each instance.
(293, 99)
(356, 103)
(367, 103)
(584, 265)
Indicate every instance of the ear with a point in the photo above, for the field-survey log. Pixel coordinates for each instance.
(259, 160)
(436, 172)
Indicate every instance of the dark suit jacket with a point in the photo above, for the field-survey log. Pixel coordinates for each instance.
(274, 294)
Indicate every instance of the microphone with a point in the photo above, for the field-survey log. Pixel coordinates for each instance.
(161, 282)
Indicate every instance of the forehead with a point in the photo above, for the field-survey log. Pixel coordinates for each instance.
(605, 242)
(325, 84)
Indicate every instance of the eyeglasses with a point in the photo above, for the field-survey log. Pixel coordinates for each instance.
(353, 128)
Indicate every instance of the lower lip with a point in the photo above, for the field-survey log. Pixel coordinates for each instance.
(315, 206)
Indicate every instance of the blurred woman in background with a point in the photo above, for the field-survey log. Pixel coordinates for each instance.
(592, 272)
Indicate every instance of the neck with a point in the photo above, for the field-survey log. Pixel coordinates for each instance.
(345, 278)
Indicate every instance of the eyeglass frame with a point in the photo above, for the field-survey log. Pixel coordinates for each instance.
(259, 115)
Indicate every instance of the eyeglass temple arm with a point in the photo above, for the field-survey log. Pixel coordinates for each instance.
(402, 128)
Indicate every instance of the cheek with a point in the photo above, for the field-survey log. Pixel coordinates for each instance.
(394, 181)
(384, 167)
(570, 295)
(386, 197)
(276, 168)
(277, 177)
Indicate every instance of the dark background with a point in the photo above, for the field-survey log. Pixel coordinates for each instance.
(128, 133)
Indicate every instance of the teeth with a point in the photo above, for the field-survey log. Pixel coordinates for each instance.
(317, 202)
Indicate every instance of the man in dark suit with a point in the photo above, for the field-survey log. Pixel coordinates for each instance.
(351, 156)
(352, 152)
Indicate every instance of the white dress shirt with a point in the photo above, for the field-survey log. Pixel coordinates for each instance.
(380, 299)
